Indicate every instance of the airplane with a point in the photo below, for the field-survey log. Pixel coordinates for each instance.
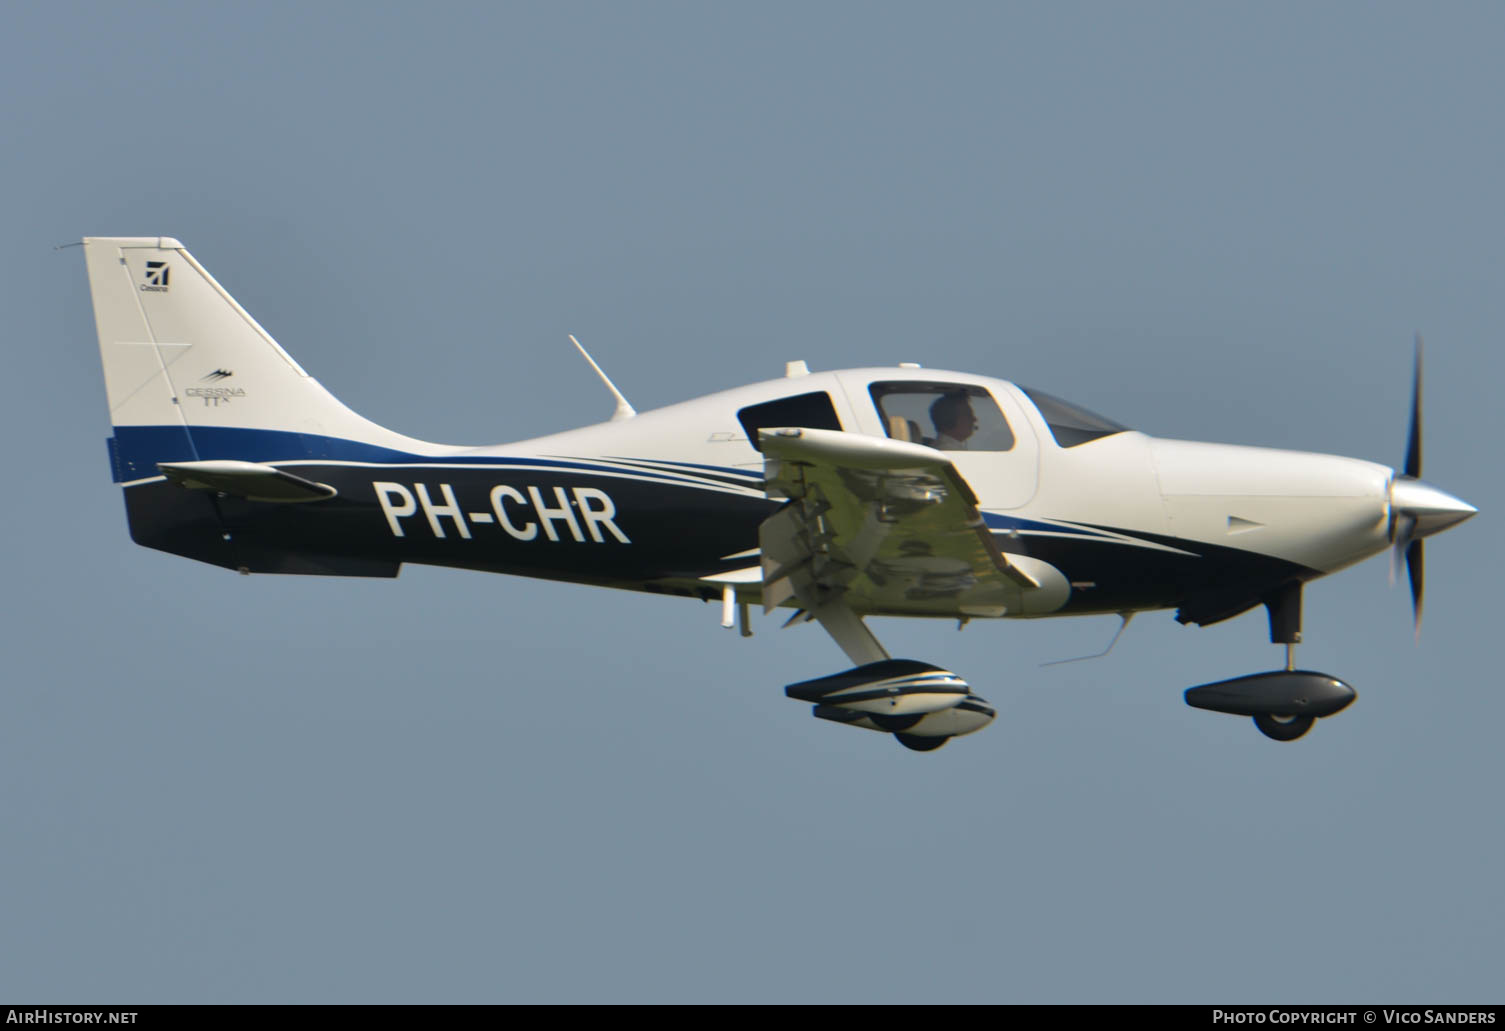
(887, 491)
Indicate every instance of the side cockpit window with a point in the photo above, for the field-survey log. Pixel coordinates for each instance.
(948, 416)
(813, 411)
(1071, 424)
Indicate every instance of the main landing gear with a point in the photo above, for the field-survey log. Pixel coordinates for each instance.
(1284, 703)
(921, 705)
(924, 706)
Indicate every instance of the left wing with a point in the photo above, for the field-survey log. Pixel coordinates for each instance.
(886, 526)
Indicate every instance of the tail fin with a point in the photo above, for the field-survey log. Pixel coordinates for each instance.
(191, 376)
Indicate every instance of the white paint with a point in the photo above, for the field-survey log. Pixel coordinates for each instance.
(385, 492)
(597, 518)
(449, 510)
(499, 495)
(562, 511)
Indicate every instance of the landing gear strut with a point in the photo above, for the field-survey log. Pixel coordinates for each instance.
(1284, 609)
(921, 705)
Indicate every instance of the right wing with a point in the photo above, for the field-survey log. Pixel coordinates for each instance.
(887, 526)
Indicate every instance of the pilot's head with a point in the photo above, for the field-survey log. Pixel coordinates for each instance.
(953, 417)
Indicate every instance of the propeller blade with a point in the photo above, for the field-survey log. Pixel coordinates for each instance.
(1401, 527)
(1413, 440)
(1418, 509)
(1415, 570)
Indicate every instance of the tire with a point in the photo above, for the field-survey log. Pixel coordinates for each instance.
(897, 724)
(916, 743)
(1283, 728)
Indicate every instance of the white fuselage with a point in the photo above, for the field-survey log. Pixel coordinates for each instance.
(1317, 513)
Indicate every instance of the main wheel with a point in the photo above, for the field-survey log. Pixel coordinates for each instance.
(896, 724)
(920, 744)
(1283, 728)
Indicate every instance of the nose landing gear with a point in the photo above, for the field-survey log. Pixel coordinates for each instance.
(1285, 726)
(1281, 727)
(1285, 703)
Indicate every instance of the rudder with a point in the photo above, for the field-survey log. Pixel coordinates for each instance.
(190, 375)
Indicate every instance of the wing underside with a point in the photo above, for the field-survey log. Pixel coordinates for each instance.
(887, 527)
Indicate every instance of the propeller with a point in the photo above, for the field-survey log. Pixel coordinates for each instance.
(1403, 525)
(1418, 509)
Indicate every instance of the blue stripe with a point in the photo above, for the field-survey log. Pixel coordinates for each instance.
(676, 469)
(1106, 535)
(997, 521)
(136, 450)
(756, 477)
(140, 448)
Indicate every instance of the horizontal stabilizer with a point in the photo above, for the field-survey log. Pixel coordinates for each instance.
(251, 480)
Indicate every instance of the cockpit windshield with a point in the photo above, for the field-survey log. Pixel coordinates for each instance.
(1071, 424)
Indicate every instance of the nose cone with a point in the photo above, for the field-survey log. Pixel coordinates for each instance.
(1428, 509)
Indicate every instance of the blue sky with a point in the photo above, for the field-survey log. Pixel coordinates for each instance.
(1212, 222)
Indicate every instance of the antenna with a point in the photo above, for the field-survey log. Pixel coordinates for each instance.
(624, 410)
(1125, 616)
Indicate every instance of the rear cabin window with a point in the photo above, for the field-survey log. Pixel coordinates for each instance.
(948, 416)
(812, 411)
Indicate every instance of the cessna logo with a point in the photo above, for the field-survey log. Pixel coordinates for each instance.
(157, 275)
(520, 512)
(217, 374)
(215, 396)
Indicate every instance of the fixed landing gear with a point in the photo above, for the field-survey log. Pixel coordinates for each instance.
(1284, 726)
(921, 705)
(920, 744)
(897, 725)
(1281, 727)
(1285, 703)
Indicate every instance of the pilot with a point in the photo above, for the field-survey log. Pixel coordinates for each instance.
(954, 422)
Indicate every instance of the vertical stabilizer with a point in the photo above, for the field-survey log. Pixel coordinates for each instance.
(190, 375)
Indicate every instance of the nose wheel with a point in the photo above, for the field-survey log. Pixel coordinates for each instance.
(1285, 628)
(1284, 726)
(1286, 702)
(1279, 727)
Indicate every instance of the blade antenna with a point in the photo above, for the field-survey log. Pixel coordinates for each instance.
(1125, 616)
(624, 410)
